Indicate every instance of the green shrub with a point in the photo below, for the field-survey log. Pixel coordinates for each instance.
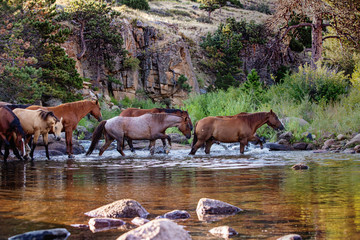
(132, 63)
(182, 81)
(136, 4)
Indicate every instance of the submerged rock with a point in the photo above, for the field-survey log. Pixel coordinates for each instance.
(103, 224)
(158, 229)
(278, 147)
(176, 214)
(223, 231)
(138, 221)
(125, 208)
(48, 234)
(207, 206)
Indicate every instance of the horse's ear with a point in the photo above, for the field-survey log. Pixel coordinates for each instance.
(61, 119)
(271, 111)
(97, 102)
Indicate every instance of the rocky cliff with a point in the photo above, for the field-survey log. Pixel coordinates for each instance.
(163, 58)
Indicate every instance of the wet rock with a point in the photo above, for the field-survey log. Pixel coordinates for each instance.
(82, 226)
(176, 214)
(178, 138)
(56, 233)
(125, 208)
(300, 146)
(103, 224)
(138, 221)
(310, 146)
(207, 206)
(223, 231)
(158, 229)
(353, 142)
(300, 166)
(290, 237)
(357, 148)
(278, 147)
(286, 135)
(283, 141)
(328, 143)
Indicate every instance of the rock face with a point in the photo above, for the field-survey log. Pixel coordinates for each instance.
(207, 206)
(56, 233)
(223, 231)
(158, 229)
(103, 224)
(163, 58)
(126, 208)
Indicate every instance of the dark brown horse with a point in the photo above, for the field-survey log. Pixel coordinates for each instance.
(150, 126)
(239, 128)
(72, 113)
(136, 112)
(11, 133)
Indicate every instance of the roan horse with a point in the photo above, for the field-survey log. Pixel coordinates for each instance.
(239, 128)
(71, 114)
(136, 112)
(150, 126)
(11, 133)
(36, 122)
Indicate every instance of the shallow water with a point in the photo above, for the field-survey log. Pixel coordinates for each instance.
(322, 202)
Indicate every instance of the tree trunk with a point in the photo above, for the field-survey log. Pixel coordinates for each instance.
(82, 40)
(316, 45)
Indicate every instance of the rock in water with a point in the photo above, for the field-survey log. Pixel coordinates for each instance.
(48, 234)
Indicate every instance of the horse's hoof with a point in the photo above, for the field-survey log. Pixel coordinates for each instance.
(70, 156)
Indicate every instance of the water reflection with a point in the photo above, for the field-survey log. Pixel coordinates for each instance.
(322, 202)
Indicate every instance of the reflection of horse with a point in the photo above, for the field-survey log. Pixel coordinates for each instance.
(72, 113)
(36, 122)
(11, 133)
(136, 112)
(232, 129)
(150, 126)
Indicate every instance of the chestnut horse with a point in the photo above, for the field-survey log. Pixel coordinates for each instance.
(150, 126)
(36, 122)
(239, 128)
(136, 112)
(11, 133)
(71, 114)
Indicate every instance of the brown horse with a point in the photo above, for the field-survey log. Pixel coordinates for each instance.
(71, 114)
(36, 122)
(241, 129)
(136, 112)
(11, 133)
(150, 126)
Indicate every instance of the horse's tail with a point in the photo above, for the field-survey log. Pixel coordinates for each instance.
(96, 136)
(195, 137)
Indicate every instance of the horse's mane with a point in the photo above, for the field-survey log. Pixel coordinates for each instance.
(81, 102)
(169, 110)
(160, 117)
(252, 117)
(13, 106)
(45, 114)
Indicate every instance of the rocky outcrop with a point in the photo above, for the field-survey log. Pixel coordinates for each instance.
(158, 229)
(163, 56)
(125, 208)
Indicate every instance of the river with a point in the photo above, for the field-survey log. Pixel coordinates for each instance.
(322, 202)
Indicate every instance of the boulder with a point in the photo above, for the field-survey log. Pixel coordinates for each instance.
(103, 224)
(278, 147)
(125, 208)
(286, 135)
(300, 146)
(328, 143)
(290, 237)
(341, 137)
(353, 142)
(207, 206)
(223, 231)
(158, 229)
(357, 148)
(176, 214)
(138, 221)
(56, 233)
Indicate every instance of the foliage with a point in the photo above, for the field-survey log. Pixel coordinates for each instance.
(355, 77)
(31, 37)
(182, 81)
(136, 4)
(261, 7)
(254, 87)
(209, 6)
(132, 63)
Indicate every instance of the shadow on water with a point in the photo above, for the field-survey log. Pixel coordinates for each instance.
(322, 202)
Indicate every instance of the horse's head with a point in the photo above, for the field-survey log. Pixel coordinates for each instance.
(185, 115)
(95, 110)
(19, 140)
(185, 127)
(274, 121)
(57, 128)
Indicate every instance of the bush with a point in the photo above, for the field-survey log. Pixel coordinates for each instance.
(136, 4)
(132, 63)
(182, 81)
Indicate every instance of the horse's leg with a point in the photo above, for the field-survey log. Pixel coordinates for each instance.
(152, 147)
(15, 150)
(46, 143)
(36, 137)
(243, 143)
(68, 137)
(130, 143)
(194, 148)
(120, 141)
(208, 145)
(6, 152)
(108, 141)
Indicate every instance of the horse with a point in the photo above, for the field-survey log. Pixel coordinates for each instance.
(11, 133)
(240, 128)
(36, 122)
(150, 126)
(72, 113)
(136, 112)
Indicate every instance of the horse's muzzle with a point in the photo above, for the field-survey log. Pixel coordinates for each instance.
(188, 136)
(99, 119)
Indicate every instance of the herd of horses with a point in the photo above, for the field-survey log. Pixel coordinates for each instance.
(21, 123)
